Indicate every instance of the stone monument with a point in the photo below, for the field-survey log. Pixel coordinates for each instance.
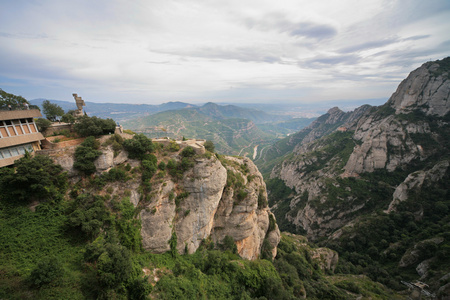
(80, 103)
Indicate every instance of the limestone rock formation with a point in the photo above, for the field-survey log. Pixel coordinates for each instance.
(202, 204)
(412, 127)
(210, 209)
(414, 181)
(425, 88)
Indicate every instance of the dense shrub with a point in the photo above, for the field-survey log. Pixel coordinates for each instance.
(114, 266)
(93, 126)
(47, 270)
(68, 118)
(86, 154)
(138, 146)
(88, 213)
(43, 124)
(33, 178)
(209, 146)
(187, 152)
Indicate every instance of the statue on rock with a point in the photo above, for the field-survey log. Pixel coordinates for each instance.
(80, 103)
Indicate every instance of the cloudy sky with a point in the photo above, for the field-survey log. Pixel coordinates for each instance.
(154, 51)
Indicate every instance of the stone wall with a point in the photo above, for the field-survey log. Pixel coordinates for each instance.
(57, 127)
(49, 144)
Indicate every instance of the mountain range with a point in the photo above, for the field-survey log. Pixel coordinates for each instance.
(372, 184)
(234, 130)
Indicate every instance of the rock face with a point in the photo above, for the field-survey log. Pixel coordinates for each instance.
(210, 209)
(426, 88)
(203, 204)
(409, 130)
(414, 182)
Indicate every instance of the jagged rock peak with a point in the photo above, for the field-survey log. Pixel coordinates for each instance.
(334, 110)
(426, 88)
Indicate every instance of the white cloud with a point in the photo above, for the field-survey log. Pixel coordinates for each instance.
(156, 51)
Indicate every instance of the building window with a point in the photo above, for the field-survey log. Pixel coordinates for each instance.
(15, 151)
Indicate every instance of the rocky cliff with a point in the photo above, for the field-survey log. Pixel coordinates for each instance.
(211, 199)
(409, 129)
(392, 159)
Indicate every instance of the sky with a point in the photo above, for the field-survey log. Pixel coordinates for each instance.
(155, 51)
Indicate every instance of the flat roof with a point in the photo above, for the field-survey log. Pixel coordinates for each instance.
(19, 114)
(20, 139)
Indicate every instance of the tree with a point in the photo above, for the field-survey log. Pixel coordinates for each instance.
(138, 146)
(86, 154)
(68, 118)
(87, 126)
(114, 266)
(88, 214)
(33, 178)
(52, 110)
(46, 271)
(43, 124)
(209, 146)
(11, 99)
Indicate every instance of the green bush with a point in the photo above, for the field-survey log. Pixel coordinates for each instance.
(209, 146)
(33, 178)
(86, 154)
(68, 118)
(187, 152)
(229, 244)
(43, 124)
(93, 126)
(173, 146)
(114, 266)
(48, 270)
(138, 146)
(88, 213)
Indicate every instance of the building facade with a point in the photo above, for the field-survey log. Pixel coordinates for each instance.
(18, 134)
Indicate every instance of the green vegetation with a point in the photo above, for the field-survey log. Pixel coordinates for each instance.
(43, 124)
(89, 247)
(138, 146)
(209, 146)
(93, 126)
(33, 178)
(229, 135)
(52, 111)
(86, 154)
(7, 99)
(375, 246)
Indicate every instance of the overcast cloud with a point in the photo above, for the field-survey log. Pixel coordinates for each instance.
(203, 50)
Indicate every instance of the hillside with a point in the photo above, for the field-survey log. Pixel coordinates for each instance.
(231, 128)
(132, 219)
(325, 124)
(376, 189)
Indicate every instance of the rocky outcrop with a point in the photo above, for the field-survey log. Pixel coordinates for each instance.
(414, 182)
(196, 207)
(326, 258)
(426, 89)
(246, 220)
(210, 208)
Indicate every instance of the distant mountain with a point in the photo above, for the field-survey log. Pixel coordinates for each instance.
(232, 111)
(230, 135)
(234, 130)
(117, 111)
